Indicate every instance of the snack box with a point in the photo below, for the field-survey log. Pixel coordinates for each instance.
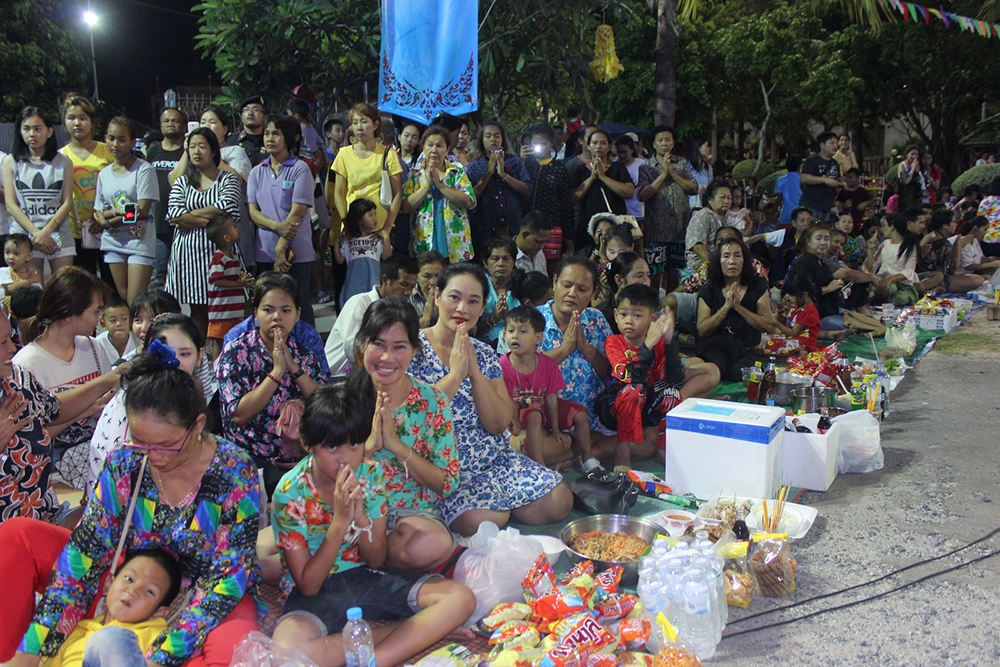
(796, 520)
(713, 445)
(809, 460)
(946, 322)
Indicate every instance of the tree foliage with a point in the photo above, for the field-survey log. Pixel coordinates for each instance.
(270, 46)
(41, 58)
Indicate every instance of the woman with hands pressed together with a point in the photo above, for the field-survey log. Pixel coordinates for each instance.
(495, 481)
(439, 195)
(500, 181)
(262, 370)
(195, 198)
(413, 437)
(734, 307)
(608, 184)
(334, 551)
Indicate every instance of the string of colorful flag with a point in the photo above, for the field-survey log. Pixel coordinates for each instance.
(916, 13)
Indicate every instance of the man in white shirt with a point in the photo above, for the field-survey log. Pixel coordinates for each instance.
(535, 232)
(399, 277)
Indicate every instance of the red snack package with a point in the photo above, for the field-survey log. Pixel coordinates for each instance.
(582, 631)
(632, 659)
(634, 633)
(513, 629)
(564, 656)
(580, 569)
(540, 579)
(558, 604)
(615, 606)
(607, 581)
(602, 660)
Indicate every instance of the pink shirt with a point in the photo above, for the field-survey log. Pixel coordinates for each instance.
(529, 389)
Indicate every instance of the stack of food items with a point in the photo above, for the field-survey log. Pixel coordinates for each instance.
(821, 364)
(579, 620)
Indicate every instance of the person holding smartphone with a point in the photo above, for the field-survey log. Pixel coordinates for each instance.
(125, 191)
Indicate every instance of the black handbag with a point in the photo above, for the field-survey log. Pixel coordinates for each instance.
(610, 493)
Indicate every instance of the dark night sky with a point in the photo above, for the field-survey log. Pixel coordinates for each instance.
(136, 42)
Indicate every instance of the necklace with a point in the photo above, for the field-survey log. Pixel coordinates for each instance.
(527, 395)
(190, 495)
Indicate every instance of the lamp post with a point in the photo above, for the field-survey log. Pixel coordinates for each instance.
(90, 18)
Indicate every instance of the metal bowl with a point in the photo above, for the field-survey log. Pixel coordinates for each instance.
(810, 399)
(612, 523)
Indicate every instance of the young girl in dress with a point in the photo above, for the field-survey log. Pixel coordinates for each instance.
(801, 318)
(362, 248)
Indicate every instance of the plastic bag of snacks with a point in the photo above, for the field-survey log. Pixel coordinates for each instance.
(773, 565)
(736, 576)
(673, 653)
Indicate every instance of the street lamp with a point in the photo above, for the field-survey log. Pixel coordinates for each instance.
(90, 18)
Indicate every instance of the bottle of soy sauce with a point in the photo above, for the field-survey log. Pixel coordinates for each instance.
(765, 393)
(740, 530)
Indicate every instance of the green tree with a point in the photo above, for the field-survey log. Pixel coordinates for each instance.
(273, 45)
(41, 56)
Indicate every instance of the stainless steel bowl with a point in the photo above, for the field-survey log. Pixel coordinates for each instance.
(810, 399)
(613, 523)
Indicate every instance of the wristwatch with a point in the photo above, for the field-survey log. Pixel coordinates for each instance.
(299, 373)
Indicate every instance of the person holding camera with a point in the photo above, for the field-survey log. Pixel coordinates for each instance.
(499, 180)
(550, 193)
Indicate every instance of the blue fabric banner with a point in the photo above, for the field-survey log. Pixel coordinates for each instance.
(430, 58)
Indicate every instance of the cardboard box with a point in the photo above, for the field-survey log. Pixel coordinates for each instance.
(720, 446)
(944, 323)
(809, 460)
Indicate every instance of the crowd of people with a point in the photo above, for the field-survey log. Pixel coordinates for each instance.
(508, 308)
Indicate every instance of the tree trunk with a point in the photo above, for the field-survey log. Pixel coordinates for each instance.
(664, 92)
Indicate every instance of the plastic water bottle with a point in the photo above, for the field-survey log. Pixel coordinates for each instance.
(883, 378)
(359, 647)
(700, 631)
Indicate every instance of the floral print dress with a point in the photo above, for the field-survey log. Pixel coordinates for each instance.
(25, 466)
(438, 224)
(242, 366)
(423, 423)
(492, 475)
(213, 537)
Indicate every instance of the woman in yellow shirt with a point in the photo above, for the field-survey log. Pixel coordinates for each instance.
(88, 157)
(358, 168)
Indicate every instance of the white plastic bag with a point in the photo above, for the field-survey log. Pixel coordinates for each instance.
(860, 443)
(258, 650)
(903, 338)
(494, 565)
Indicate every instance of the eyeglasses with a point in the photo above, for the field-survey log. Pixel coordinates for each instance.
(142, 447)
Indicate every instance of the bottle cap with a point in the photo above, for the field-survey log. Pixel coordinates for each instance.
(354, 614)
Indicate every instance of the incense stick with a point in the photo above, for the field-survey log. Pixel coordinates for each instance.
(767, 523)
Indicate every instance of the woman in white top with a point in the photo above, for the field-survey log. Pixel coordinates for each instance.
(971, 259)
(125, 190)
(38, 189)
(628, 155)
(63, 356)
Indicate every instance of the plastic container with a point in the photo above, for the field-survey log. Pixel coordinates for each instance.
(359, 646)
(701, 634)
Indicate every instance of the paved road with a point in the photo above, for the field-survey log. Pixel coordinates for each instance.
(939, 490)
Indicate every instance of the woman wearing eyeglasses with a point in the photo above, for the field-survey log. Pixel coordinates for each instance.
(181, 334)
(174, 486)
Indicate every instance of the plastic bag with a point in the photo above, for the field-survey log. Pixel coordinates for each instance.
(258, 650)
(736, 576)
(903, 338)
(860, 443)
(494, 565)
(773, 566)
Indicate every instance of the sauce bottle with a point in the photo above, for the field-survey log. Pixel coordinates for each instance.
(765, 393)
(753, 388)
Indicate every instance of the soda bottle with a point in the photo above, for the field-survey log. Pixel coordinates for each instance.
(857, 395)
(359, 647)
(765, 393)
(755, 377)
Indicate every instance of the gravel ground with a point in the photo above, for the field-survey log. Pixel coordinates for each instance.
(938, 491)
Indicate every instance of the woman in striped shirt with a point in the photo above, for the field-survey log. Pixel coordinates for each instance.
(203, 192)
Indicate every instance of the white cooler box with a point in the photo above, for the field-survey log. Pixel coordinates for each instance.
(809, 460)
(715, 447)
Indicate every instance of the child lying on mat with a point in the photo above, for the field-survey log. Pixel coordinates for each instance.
(329, 522)
(146, 583)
